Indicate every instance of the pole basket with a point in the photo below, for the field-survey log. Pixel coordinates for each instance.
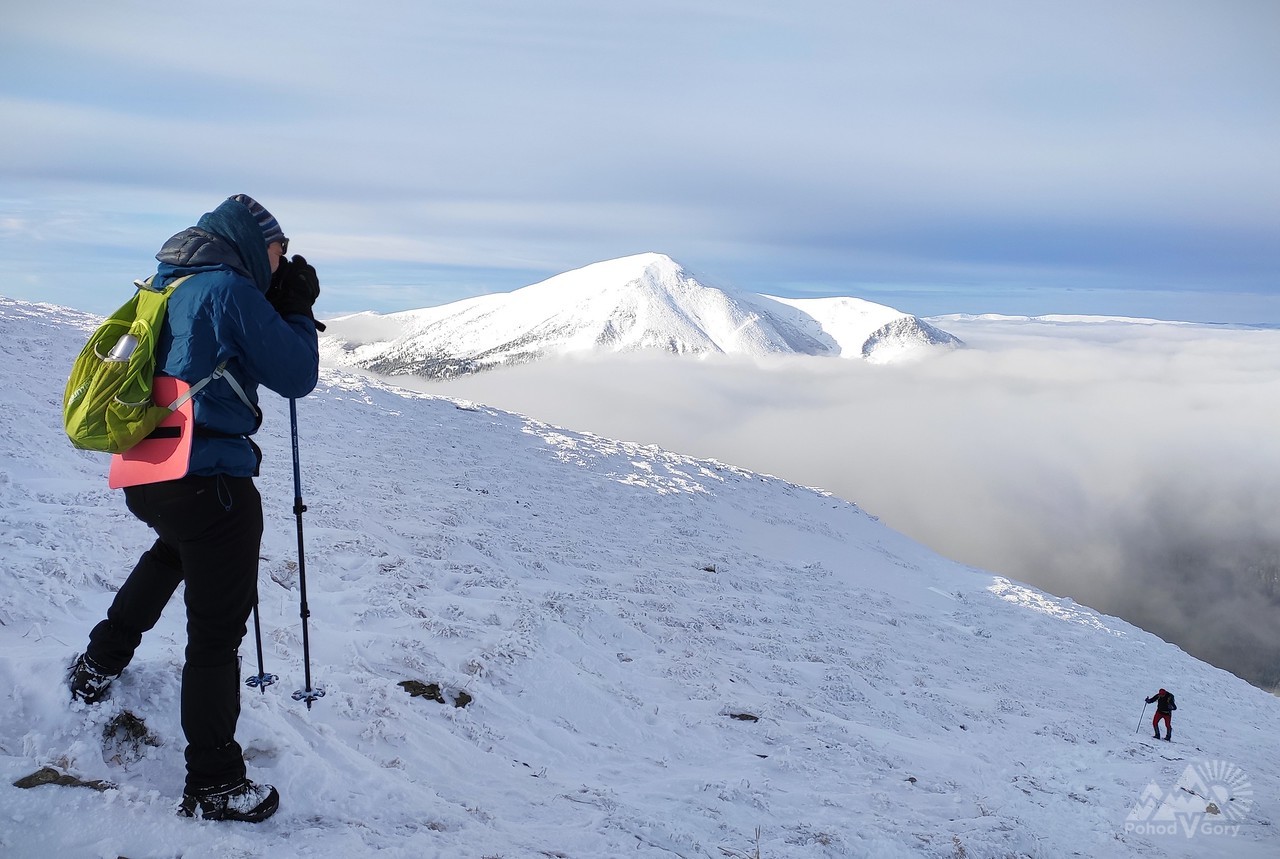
(261, 681)
(308, 695)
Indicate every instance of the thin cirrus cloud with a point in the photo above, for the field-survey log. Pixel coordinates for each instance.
(914, 143)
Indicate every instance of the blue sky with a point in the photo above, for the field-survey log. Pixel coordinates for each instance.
(1018, 157)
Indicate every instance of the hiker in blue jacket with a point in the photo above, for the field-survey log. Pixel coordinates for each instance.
(250, 306)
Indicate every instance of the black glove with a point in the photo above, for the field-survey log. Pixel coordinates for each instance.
(294, 288)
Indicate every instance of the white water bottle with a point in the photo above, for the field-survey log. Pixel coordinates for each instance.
(123, 349)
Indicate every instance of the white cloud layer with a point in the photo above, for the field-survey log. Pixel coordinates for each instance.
(1132, 467)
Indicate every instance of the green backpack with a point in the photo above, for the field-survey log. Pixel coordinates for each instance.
(107, 404)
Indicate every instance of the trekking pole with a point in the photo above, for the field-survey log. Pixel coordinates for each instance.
(262, 679)
(305, 694)
(1143, 716)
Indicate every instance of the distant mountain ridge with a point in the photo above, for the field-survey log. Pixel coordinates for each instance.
(636, 303)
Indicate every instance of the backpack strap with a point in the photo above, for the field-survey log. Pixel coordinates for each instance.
(221, 372)
(148, 284)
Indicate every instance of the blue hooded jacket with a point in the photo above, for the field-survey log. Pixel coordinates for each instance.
(222, 314)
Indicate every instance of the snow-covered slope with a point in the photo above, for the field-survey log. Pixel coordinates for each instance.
(646, 301)
(664, 656)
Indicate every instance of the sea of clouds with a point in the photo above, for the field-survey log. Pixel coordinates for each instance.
(1134, 467)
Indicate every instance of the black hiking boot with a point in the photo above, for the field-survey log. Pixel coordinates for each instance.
(244, 800)
(1157, 735)
(88, 681)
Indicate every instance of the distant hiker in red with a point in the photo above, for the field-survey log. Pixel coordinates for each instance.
(1164, 710)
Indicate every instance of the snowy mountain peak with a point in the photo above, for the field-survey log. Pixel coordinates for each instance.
(646, 269)
(636, 302)
(646, 301)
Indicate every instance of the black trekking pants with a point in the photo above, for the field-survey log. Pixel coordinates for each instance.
(210, 530)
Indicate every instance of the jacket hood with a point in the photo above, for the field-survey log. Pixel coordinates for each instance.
(227, 237)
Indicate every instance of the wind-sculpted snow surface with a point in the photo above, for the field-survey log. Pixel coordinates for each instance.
(646, 302)
(536, 642)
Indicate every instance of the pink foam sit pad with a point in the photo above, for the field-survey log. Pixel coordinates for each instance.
(168, 455)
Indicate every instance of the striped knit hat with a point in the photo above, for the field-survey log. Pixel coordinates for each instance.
(267, 222)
